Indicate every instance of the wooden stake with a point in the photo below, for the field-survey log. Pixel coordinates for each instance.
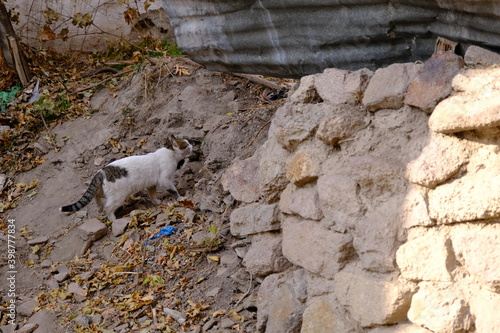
(20, 69)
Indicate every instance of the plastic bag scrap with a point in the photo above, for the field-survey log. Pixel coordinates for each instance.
(167, 231)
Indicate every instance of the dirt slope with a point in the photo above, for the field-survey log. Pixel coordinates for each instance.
(196, 271)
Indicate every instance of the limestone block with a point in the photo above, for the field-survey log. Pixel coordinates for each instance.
(279, 308)
(440, 311)
(478, 248)
(319, 250)
(415, 209)
(336, 127)
(301, 201)
(338, 197)
(440, 160)
(476, 105)
(433, 84)
(254, 218)
(325, 314)
(474, 196)
(377, 234)
(459, 113)
(306, 92)
(272, 170)
(373, 300)
(241, 179)
(265, 256)
(484, 306)
(388, 86)
(476, 55)
(294, 123)
(303, 167)
(93, 230)
(425, 258)
(336, 86)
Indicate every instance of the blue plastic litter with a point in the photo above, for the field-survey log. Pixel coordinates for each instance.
(167, 231)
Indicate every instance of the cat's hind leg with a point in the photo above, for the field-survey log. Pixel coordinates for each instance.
(152, 195)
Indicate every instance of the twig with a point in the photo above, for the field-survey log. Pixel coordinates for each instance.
(79, 90)
(259, 80)
(247, 292)
(257, 135)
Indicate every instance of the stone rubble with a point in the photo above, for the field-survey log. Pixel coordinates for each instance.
(386, 221)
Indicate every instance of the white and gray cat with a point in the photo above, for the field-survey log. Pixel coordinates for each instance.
(115, 182)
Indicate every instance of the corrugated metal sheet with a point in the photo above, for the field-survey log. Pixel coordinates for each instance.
(293, 38)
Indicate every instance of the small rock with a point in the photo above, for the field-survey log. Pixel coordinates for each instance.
(476, 55)
(226, 323)
(27, 308)
(98, 161)
(241, 251)
(303, 201)
(83, 320)
(52, 284)
(96, 319)
(3, 180)
(209, 324)
(28, 328)
(41, 148)
(213, 292)
(38, 240)
(118, 227)
(265, 255)
(8, 328)
(176, 315)
(46, 263)
(433, 84)
(92, 229)
(81, 214)
(45, 320)
(63, 273)
(74, 288)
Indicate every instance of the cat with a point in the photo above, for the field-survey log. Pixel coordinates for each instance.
(116, 181)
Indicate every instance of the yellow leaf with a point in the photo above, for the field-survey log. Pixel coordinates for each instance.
(214, 258)
(219, 313)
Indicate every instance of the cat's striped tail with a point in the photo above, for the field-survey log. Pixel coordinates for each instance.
(87, 196)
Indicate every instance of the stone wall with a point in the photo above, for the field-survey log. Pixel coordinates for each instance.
(374, 204)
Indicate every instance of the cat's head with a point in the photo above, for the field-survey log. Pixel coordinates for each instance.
(181, 146)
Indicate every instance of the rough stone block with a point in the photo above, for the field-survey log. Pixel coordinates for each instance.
(301, 201)
(336, 86)
(321, 251)
(440, 160)
(440, 311)
(425, 258)
(254, 218)
(484, 306)
(272, 170)
(415, 210)
(118, 227)
(474, 196)
(373, 300)
(280, 310)
(476, 106)
(92, 230)
(294, 123)
(241, 179)
(303, 167)
(478, 249)
(388, 86)
(433, 84)
(401, 328)
(336, 127)
(265, 256)
(476, 55)
(306, 92)
(325, 314)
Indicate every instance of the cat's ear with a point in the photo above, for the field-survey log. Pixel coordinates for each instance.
(173, 141)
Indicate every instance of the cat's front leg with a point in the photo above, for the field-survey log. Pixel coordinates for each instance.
(169, 185)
